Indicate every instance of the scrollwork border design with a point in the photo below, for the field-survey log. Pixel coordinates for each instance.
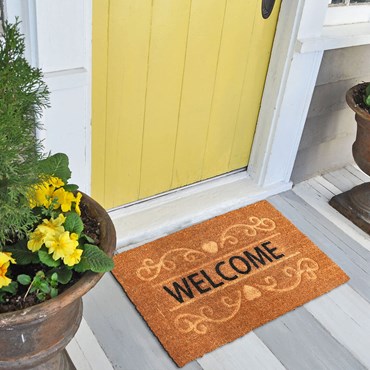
(188, 322)
(149, 269)
(249, 229)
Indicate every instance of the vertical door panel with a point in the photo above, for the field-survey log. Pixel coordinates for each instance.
(177, 87)
(128, 53)
(254, 80)
(205, 30)
(235, 53)
(169, 29)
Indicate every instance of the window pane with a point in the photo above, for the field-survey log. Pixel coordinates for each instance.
(359, 1)
(337, 1)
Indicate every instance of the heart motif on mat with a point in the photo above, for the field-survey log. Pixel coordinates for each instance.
(251, 293)
(210, 247)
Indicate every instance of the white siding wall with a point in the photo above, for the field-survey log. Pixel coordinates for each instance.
(330, 126)
(58, 40)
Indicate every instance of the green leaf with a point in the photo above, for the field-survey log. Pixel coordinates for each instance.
(367, 91)
(47, 259)
(33, 289)
(94, 259)
(64, 274)
(11, 288)
(53, 292)
(82, 266)
(24, 279)
(88, 239)
(56, 165)
(367, 100)
(41, 296)
(22, 255)
(40, 275)
(44, 287)
(71, 187)
(54, 277)
(73, 223)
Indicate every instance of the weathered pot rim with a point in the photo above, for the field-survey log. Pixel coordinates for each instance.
(353, 105)
(77, 290)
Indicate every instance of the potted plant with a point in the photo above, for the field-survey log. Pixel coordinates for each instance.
(355, 203)
(55, 242)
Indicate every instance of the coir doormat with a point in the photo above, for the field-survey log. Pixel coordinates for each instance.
(213, 282)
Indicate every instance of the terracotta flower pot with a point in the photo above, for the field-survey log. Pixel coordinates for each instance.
(36, 337)
(355, 203)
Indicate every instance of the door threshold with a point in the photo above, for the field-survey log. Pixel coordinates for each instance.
(142, 222)
(170, 194)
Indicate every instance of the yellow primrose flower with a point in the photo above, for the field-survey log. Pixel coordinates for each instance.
(73, 258)
(64, 199)
(62, 245)
(6, 257)
(77, 205)
(36, 240)
(55, 222)
(42, 195)
(53, 226)
(5, 260)
(49, 229)
(55, 181)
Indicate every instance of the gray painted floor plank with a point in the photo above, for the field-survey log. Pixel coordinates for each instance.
(300, 342)
(342, 179)
(358, 173)
(317, 193)
(330, 239)
(123, 334)
(247, 352)
(355, 251)
(343, 305)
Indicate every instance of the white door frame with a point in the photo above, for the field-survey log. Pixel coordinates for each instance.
(288, 91)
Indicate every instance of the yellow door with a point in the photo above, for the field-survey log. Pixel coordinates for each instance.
(177, 86)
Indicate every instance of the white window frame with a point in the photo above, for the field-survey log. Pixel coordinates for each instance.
(347, 13)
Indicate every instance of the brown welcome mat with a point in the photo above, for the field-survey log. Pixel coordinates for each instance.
(211, 283)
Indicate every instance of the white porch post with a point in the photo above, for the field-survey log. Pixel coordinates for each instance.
(58, 40)
(288, 91)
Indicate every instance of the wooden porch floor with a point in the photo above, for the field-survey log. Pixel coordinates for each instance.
(330, 332)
